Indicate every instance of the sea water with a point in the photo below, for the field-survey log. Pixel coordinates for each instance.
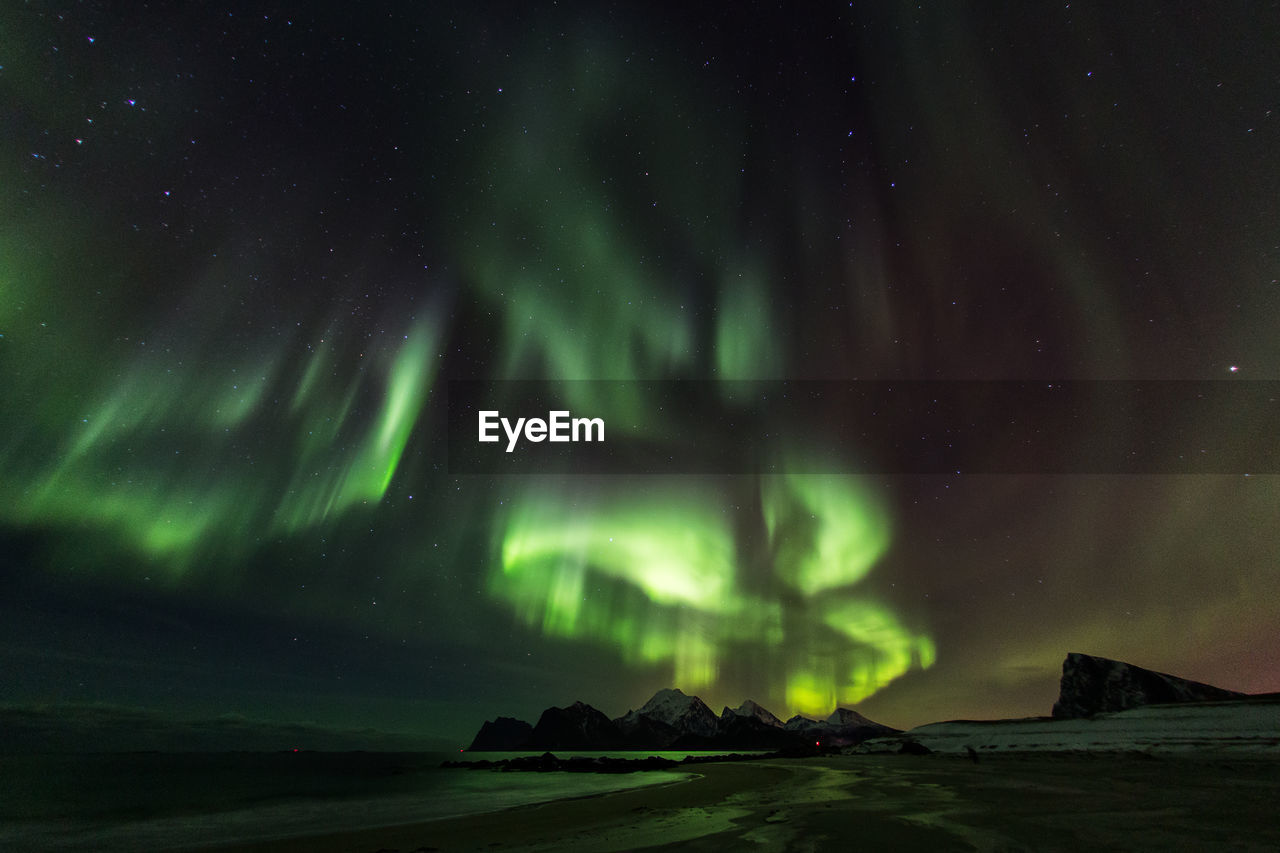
(159, 801)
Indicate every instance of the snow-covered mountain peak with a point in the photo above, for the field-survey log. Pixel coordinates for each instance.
(750, 708)
(846, 717)
(686, 713)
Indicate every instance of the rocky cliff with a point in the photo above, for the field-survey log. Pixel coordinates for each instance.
(1093, 685)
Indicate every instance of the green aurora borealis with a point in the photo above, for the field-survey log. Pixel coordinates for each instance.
(656, 577)
(242, 254)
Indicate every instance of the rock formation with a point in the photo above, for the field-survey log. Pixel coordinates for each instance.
(578, 726)
(504, 734)
(1093, 685)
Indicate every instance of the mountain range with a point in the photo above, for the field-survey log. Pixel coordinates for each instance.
(1091, 687)
(675, 720)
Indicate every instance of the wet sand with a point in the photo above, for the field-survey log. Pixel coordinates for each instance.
(935, 803)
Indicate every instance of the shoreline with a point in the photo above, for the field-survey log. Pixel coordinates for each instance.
(537, 823)
(934, 803)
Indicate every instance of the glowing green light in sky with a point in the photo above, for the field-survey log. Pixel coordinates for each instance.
(599, 254)
(889, 649)
(746, 346)
(408, 383)
(655, 572)
(651, 574)
(571, 257)
(564, 255)
(165, 460)
(674, 550)
(809, 692)
(826, 531)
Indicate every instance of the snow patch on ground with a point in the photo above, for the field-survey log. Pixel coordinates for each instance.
(1244, 727)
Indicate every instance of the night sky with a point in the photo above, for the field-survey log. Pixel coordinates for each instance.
(245, 247)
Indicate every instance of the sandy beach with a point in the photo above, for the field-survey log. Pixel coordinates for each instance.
(1006, 802)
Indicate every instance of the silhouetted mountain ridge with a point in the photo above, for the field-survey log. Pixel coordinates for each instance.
(673, 719)
(578, 726)
(1090, 686)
